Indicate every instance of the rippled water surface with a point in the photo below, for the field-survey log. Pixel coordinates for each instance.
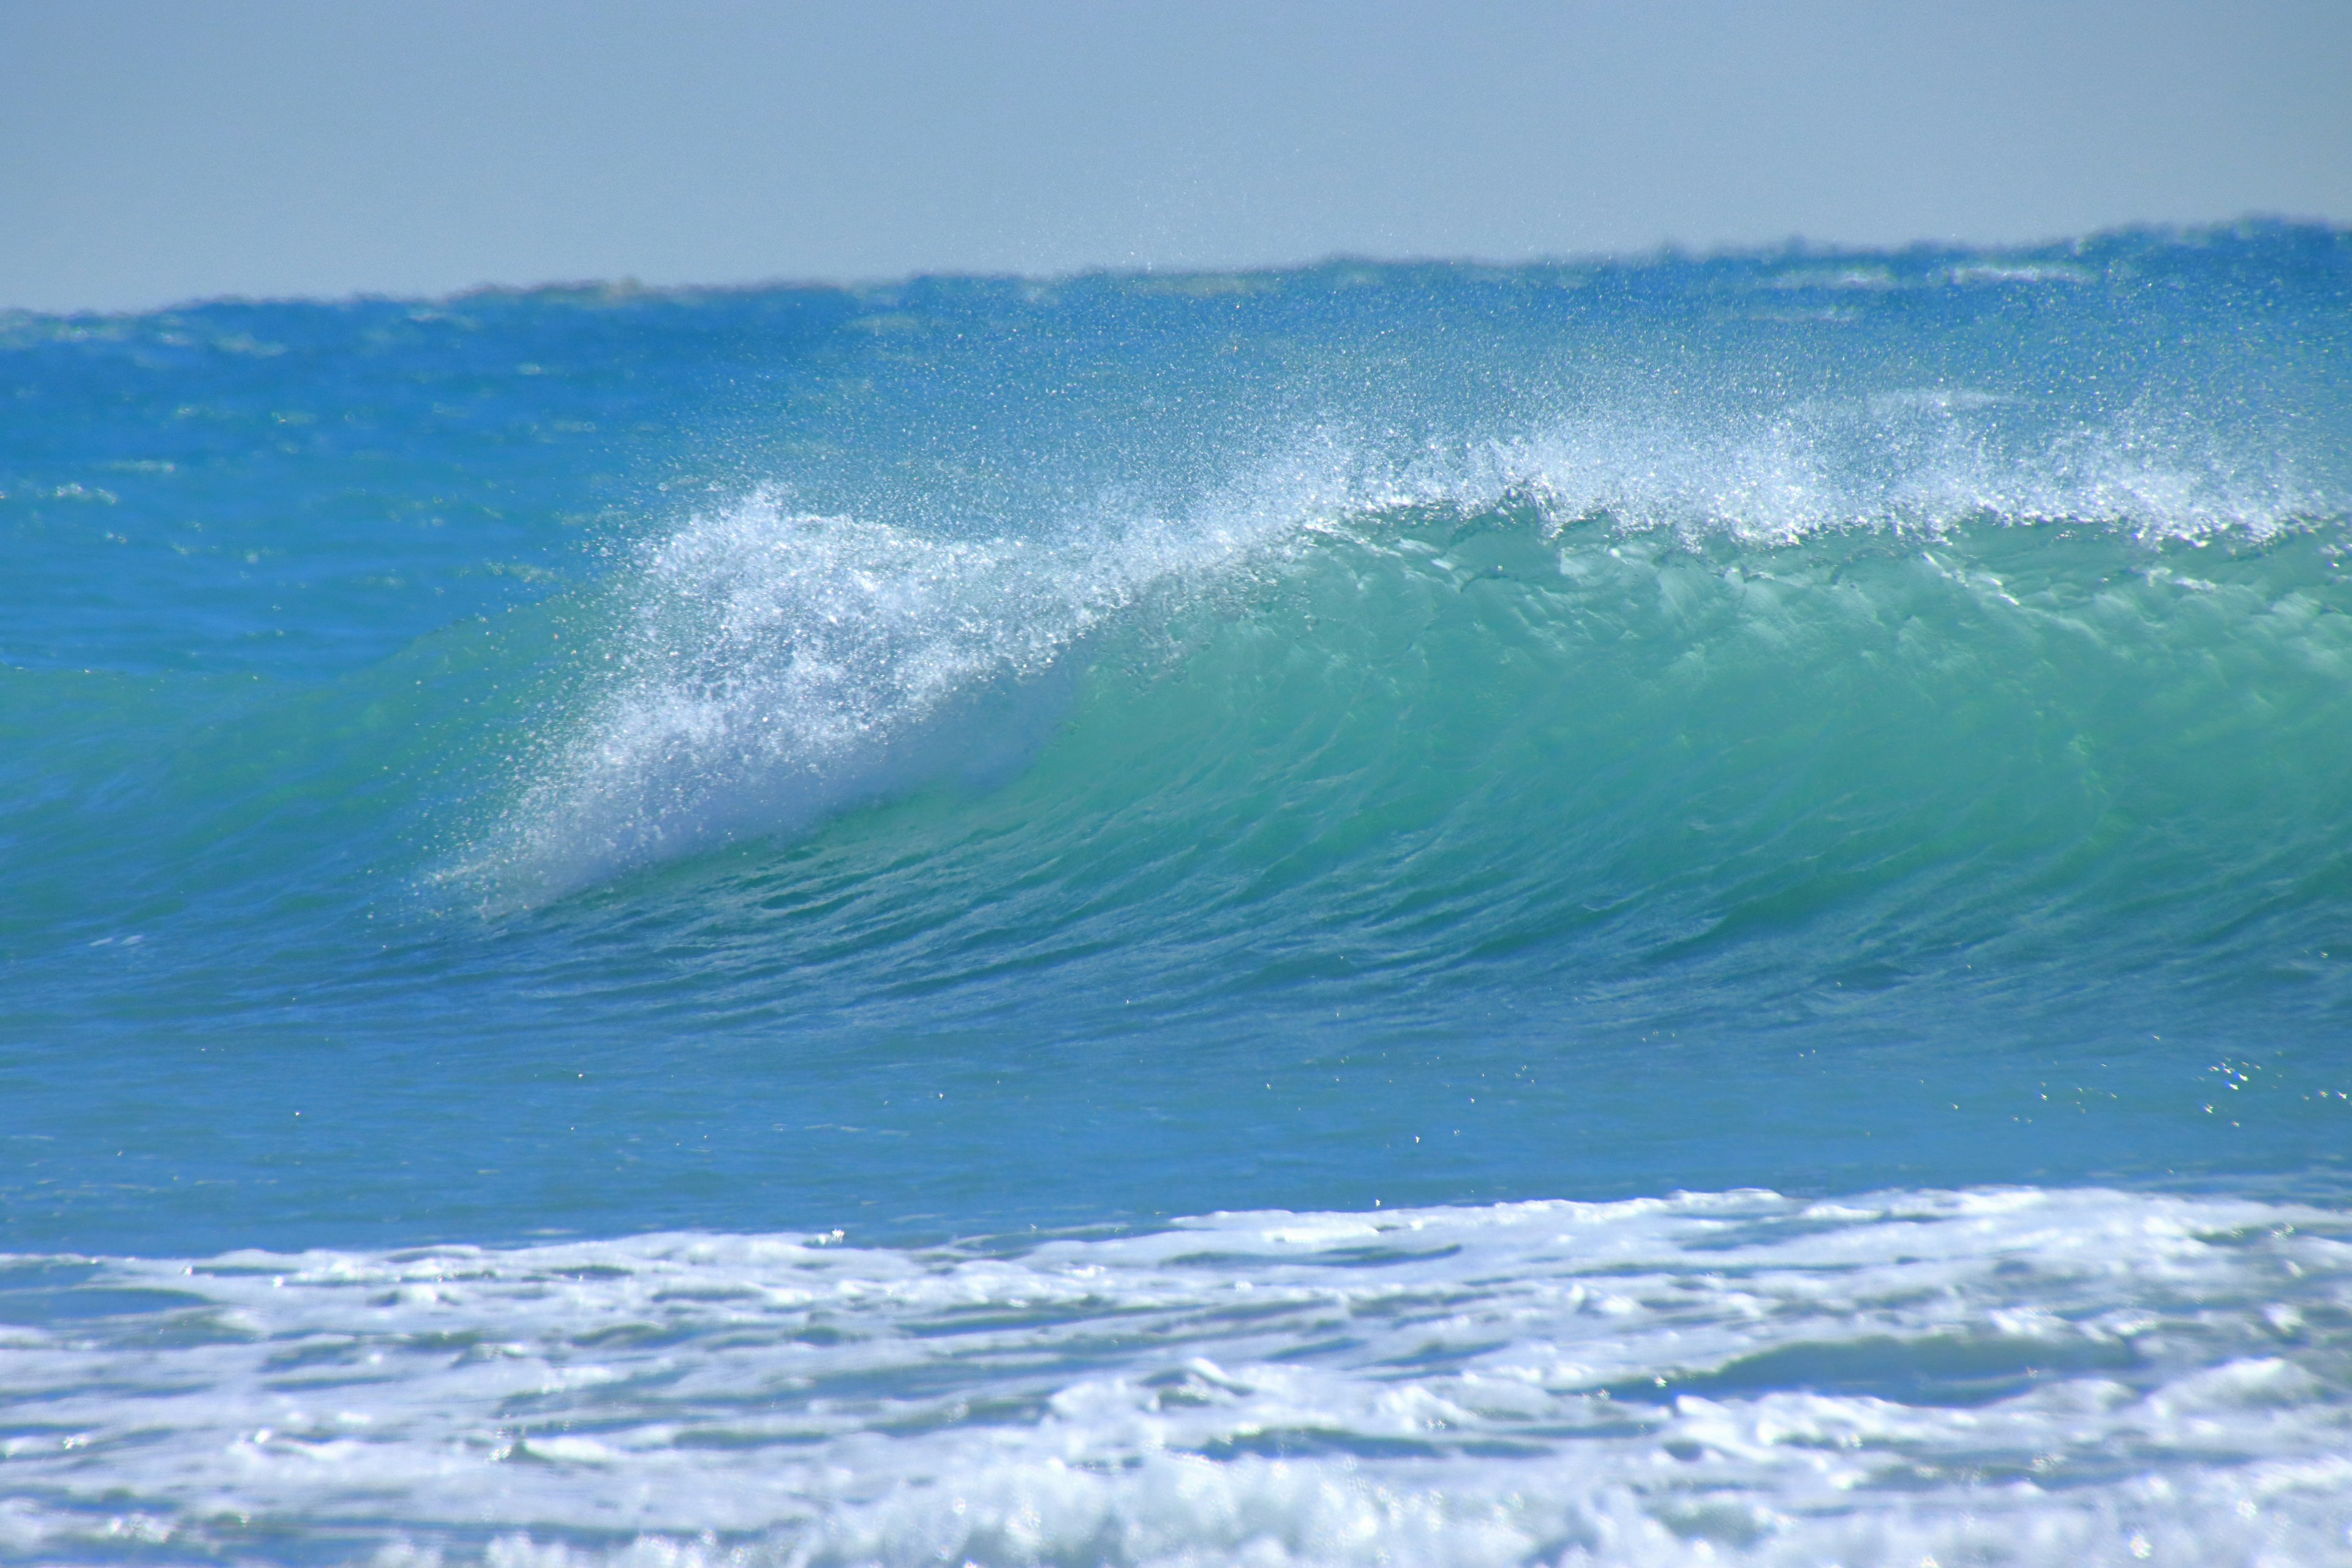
(629, 923)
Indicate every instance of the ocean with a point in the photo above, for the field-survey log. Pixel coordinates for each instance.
(1648, 911)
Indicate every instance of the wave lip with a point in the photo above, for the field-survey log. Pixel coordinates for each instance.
(774, 666)
(2053, 1376)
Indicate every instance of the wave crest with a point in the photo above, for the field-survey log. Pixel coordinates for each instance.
(766, 667)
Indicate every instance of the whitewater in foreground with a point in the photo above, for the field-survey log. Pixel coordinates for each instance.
(2012, 1376)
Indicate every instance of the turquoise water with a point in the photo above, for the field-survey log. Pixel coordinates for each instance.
(705, 876)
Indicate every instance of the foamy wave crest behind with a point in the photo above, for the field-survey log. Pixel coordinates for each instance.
(2023, 1376)
(1920, 459)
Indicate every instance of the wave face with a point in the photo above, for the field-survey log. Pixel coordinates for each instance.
(985, 759)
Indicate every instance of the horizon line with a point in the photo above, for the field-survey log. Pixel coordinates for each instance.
(627, 285)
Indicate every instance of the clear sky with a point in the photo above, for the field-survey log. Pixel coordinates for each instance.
(153, 151)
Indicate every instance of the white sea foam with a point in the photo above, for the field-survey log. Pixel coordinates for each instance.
(2014, 1377)
(1990, 270)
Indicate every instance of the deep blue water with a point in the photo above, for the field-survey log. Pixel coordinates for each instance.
(973, 756)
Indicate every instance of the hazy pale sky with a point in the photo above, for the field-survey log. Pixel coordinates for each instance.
(153, 151)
